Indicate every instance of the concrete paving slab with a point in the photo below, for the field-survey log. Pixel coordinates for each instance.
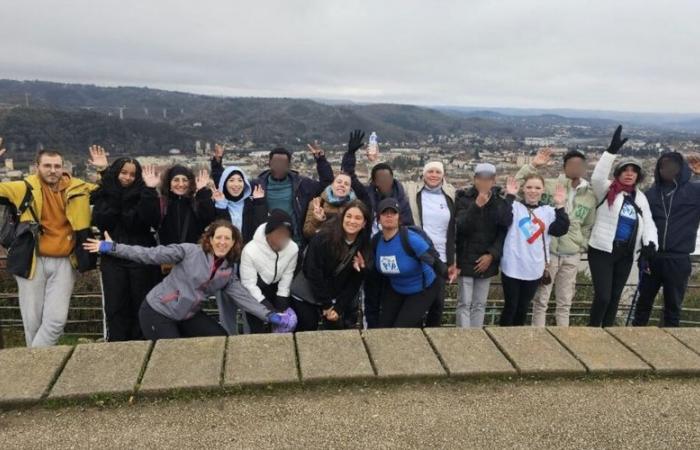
(104, 368)
(260, 359)
(688, 336)
(599, 351)
(659, 349)
(333, 355)
(192, 363)
(402, 353)
(535, 352)
(469, 352)
(27, 373)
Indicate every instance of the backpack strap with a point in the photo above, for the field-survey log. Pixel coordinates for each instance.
(27, 204)
(426, 257)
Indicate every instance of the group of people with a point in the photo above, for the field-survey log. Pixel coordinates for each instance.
(298, 254)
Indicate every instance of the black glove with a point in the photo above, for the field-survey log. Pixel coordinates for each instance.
(282, 303)
(616, 143)
(355, 143)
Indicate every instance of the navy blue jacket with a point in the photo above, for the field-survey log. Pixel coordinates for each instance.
(675, 209)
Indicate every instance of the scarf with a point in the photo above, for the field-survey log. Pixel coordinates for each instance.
(615, 188)
(338, 201)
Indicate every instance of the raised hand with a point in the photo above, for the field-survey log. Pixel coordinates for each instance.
(694, 162)
(542, 158)
(218, 152)
(258, 192)
(559, 196)
(202, 180)
(318, 211)
(2, 149)
(315, 149)
(355, 142)
(616, 143)
(218, 196)
(151, 178)
(512, 186)
(98, 157)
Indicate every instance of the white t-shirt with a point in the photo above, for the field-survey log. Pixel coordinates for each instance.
(436, 219)
(523, 254)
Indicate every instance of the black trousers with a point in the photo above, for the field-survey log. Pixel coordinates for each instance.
(406, 311)
(374, 286)
(156, 326)
(672, 273)
(272, 302)
(609, 273)
(434, 317)
(310, 318)
(518, 295)
(124, 288)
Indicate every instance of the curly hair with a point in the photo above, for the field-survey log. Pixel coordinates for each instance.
(205, 240)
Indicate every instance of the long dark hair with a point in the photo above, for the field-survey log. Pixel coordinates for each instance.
(205, 240)
(335, 234)
(111, 186)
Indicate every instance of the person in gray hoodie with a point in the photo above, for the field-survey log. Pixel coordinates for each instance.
(173, 308)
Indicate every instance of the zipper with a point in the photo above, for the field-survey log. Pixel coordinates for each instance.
(277, 258)
(667, 213)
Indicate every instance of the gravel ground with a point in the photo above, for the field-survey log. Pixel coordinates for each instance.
(616, 413)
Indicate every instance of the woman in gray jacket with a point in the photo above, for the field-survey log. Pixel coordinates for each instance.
(173, 308)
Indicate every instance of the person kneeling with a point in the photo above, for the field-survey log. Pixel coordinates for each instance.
(173, 308)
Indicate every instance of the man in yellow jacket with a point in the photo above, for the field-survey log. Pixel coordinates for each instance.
(61, 206)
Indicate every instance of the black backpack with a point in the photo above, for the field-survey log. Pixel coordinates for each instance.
(9, 217)
(431, 257)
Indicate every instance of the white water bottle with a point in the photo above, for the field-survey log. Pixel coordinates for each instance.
(373, 148)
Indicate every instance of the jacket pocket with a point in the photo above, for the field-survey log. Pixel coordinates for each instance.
(170, 297)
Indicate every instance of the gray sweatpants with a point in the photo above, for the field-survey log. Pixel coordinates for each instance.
(471, 301)
(44, 300)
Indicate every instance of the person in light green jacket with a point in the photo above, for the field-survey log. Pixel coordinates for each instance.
(565, 251)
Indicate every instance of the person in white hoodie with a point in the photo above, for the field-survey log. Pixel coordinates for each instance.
(267, 266)
(624, 229)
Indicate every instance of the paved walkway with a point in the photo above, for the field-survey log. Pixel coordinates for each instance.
(619, 413)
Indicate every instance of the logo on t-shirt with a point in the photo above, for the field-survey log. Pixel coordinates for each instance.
(628, 211)
(389, 264)
(531, 227)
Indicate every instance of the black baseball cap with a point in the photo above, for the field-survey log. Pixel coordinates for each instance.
(388, 203)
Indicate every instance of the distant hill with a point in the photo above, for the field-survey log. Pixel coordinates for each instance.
(74, 116)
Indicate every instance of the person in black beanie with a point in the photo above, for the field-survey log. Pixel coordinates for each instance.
(267, 265)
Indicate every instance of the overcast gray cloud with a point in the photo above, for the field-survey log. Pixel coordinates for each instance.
(595, 54)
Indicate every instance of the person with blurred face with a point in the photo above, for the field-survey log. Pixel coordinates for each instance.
(432, 202)
(173, 309)
(412, 284)
(624, 229)
(565, 251)
(291, 192)
(47, 249)
(674, 201)
(267, 266)
(526, 247)
(126, 206)
(334, 267)
(483, 219)
(327, 206)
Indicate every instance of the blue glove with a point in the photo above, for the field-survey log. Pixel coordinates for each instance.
(106, 246)
(275, 318)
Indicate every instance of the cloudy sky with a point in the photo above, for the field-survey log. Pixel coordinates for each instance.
(594, 54)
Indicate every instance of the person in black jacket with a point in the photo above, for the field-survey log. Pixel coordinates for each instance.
(126, 206)
(334, 267)
(382, 183)
(674, 201)
(291, 192)
(483, 219)
(186, 205)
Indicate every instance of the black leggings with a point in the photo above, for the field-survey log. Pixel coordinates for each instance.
(156, 326)
(609, 273)
(272, 302)
(407, 311)
(309, 317)
(517, 294)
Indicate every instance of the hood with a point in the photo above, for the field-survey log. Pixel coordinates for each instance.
(683, 175)
(630, 162)
(247, 190)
